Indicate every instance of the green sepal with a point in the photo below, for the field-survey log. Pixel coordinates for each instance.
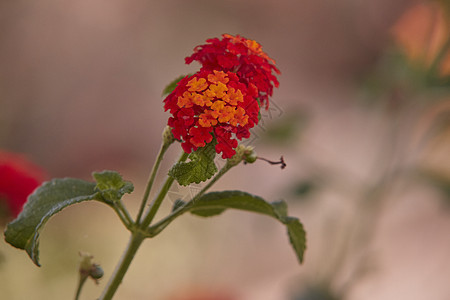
(172, 85)
(49, 199)
(201, 166)
(111, 185)
(215, 203)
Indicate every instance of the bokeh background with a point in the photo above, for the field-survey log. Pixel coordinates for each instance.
(80, 91)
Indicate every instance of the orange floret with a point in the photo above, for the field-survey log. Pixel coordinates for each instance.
(218, 105)
(198, 99)
(185, 100)
(233, 97)
(217, 90)
(208, 119)
(197, 85)
(239, 117)
(226, 114)
(218, 76)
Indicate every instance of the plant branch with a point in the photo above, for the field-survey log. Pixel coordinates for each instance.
(80, 286)
(116, 279)
(151, 179)
(159, 199)
(123, 215)
(159, 226)
(125, 212)
(139, 235)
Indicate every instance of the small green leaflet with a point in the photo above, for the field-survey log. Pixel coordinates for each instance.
(200, 168)
(215, 203)
(52, 197)
(111, 185)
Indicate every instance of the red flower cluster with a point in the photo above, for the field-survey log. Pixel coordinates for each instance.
(18, 179)
(223, 99)
(241, 56)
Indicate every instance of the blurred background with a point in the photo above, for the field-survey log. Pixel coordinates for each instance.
(361, 116)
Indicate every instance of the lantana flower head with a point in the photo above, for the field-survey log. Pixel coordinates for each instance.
(242, 56)
(209, 105)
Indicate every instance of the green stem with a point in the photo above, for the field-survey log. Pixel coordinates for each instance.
(137, 237)
(159, 226)
(80, 286)
(151, 179)
(116, 279)
(123, 209)
(159, 199)
(122, 215)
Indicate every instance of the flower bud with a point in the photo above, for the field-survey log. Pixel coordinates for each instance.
(167, 136)
(88, 268)
(249, 155)
(96, 272)
(243, 153)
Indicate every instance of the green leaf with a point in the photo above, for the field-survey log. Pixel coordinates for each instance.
(111, 185)
(214, 203)
(210, 212)
(47, 200)
(297, 236)
(280, 207)
(171, 86)
(201, 166)
(232, 199)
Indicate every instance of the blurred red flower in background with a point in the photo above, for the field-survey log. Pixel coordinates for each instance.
(203, 294)
(19, 177)
(422, 31)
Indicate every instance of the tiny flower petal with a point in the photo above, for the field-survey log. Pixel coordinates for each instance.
(218, 76)
(197, 85)
(200, 136)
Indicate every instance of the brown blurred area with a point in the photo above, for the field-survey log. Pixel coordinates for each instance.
(80, 90)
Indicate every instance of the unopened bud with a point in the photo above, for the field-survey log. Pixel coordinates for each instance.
(249, 156)
(243, 153)
(96, 272)
(88, 268)
(167, 136)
